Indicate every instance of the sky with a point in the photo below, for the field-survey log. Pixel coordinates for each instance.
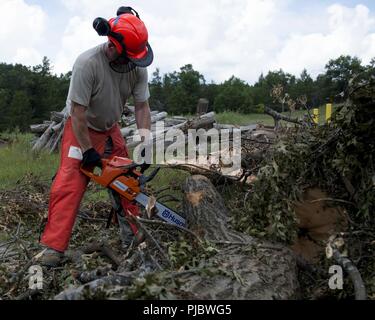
(220, 38)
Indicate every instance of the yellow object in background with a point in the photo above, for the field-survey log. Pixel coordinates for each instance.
(316, 116)
(329, 112)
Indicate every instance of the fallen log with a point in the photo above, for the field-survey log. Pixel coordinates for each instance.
(128, 132)
(207, 115)
(57, 116)
(55, 144)
(39, 128)
(59, 126)
(169, 122)
(155, 117)
(100, 247)
(200, 123)
(230, 127)
(129, 110)
(43, 140)
(90, 289)
(277, 117)
(179, 118)
(204, 122)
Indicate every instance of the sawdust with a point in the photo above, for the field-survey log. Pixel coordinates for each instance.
(195, 197)
(317, 222)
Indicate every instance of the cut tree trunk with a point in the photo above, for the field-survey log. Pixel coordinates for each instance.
(202, 106)
(260, 270)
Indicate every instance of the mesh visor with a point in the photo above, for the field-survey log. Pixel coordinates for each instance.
(146, 60)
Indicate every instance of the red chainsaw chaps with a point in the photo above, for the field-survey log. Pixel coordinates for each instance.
(70, 185)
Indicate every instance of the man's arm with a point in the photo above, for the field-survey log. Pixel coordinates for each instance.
(79, 124)
(143, 119)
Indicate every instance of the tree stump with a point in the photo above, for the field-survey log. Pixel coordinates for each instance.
(260, 270)
(202, 106)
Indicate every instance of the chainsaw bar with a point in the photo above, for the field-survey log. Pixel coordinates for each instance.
(162, 211)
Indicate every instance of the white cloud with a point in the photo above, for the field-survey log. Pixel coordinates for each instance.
(78, 37)
(351, 31)
(219, 37)
(28, 54)
(22, 31)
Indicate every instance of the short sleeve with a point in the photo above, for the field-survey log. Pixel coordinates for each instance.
(141, 92)
(81, 84)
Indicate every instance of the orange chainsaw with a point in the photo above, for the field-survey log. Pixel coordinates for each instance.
(121, 177)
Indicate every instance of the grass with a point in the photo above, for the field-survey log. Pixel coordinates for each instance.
(17, 160)
(235, 118)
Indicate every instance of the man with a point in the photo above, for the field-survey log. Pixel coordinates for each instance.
(103, 78)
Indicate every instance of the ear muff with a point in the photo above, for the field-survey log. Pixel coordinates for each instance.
(102, 26)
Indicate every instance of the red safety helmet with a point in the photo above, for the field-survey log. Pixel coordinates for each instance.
(129, 35)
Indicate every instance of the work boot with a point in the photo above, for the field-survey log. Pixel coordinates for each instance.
(139, 238)
(51, 258)
(126, 234)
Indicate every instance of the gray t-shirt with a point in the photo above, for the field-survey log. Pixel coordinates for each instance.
(102, 90)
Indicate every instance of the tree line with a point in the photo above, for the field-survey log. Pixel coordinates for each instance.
(28, 94)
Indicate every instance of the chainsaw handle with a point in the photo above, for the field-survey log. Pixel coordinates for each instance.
(143, 167)
(89, 172)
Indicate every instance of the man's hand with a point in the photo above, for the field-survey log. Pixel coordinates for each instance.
(91, 158)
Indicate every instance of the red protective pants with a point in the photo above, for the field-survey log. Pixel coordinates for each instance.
(70, 185)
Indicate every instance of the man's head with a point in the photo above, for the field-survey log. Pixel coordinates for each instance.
(128, 37)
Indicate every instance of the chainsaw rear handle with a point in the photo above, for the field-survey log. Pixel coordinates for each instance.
(89, 172)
